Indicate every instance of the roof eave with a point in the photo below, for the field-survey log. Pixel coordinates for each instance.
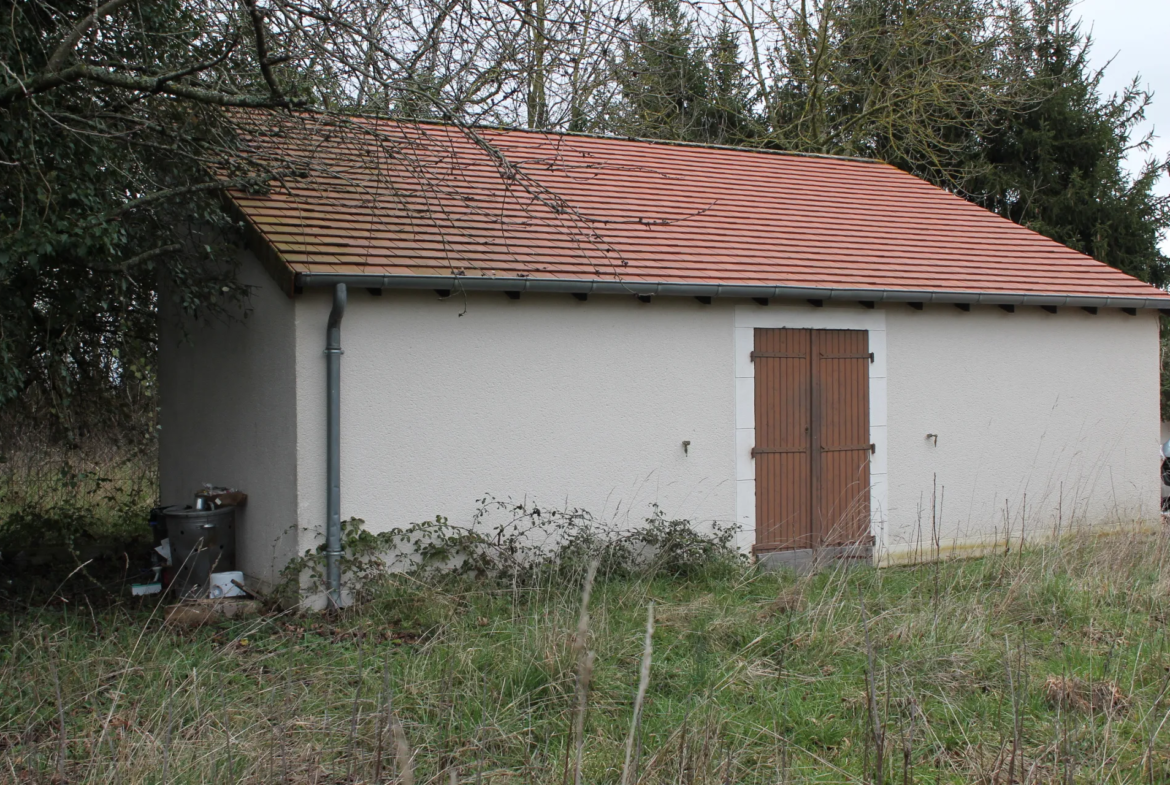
(667, 289)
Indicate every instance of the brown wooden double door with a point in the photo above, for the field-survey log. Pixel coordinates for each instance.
(812, 438)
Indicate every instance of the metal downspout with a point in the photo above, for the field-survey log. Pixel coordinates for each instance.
(333, 459)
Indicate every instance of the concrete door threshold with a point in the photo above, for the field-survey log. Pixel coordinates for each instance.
(814, 559)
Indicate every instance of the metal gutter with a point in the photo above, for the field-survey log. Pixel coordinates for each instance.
(552, 285)
(333, 354)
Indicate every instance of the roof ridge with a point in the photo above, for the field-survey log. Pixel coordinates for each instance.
(606, 137)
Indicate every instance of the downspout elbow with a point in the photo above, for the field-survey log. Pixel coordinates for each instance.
(333, 334)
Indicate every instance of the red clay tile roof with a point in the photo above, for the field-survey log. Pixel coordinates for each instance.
(417, 203)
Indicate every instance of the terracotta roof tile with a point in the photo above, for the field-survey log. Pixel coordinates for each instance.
(398, 199)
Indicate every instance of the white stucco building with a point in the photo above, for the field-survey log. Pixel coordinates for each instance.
(813, 348)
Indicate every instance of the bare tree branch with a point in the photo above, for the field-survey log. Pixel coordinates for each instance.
(262, 48)
(143, 84)
(66, 47)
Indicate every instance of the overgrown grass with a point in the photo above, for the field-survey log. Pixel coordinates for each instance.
(61, 507)
(1051, 664)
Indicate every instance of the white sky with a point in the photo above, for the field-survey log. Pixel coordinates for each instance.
(1136, 35)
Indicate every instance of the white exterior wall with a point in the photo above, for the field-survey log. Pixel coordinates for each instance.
(565, 403)
(1025, 403)
(228, 417)
(586, 405)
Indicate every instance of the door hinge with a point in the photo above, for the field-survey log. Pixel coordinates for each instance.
(848, 357)
(777, 451)
(777, 356)
(872, 448)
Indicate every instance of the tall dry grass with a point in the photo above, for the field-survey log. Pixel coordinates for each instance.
(1047, 666)
(87, 496)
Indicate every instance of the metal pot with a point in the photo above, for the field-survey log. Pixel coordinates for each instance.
(202, 542)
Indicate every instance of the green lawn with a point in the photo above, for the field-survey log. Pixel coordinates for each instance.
(1053, 665)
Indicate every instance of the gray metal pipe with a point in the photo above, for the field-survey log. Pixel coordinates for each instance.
(568, 286)
(333, 449)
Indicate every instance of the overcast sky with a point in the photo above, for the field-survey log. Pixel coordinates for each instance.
(1136, 35)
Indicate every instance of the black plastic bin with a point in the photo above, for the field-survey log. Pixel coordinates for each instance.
(202, 542)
